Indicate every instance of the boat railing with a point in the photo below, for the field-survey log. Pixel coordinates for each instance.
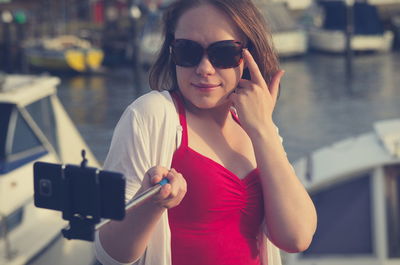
(4, 231)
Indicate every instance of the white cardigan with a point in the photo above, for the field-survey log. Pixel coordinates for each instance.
(148, 134)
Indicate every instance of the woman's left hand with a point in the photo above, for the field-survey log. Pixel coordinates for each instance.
(253, 99)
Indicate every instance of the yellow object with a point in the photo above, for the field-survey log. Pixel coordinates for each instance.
(94, 58)
(76, 60)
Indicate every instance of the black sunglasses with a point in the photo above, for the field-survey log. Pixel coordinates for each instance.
(222, 54)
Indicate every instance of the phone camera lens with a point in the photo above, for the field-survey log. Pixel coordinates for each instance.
(45, 187)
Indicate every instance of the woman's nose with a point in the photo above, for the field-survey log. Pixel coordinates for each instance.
(205, 67)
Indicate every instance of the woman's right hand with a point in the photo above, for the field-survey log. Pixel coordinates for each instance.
(172, 193)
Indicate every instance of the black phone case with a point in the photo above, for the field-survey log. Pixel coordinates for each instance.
(86, 191)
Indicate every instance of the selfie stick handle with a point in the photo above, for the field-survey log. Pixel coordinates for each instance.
(146, 194)
(139, 199)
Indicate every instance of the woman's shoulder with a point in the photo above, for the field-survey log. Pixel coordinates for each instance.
(154, 105)
(153, 99)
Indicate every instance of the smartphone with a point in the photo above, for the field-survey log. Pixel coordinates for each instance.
(86, 191)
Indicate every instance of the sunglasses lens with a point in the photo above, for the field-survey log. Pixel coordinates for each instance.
(222, 54)
(225, 54)
(186, 53)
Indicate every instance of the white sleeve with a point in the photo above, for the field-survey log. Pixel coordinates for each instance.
(144, 137)
(129, 152)
(123, 156)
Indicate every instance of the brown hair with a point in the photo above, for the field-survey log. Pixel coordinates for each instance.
(244, 15)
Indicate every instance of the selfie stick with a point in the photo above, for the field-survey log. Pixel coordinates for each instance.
(138, 199)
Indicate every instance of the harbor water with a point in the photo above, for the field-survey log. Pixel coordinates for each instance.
(319, 103)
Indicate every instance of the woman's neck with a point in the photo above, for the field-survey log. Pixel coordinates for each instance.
(219, 114)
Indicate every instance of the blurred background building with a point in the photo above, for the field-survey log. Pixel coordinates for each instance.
(117, 27)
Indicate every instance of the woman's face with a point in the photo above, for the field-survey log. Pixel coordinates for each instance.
(203, 85)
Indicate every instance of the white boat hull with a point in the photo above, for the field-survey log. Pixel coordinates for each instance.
(33, 235)
(329, 175)
(296, 4)
(149, 47)
(335, 41)
(290, 43)
(38, 241)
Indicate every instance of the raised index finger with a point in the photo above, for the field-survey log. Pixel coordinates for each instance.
(255, 73)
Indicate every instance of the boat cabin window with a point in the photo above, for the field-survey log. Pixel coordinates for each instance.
(365, 17)
(19, 144)
(42, 113)
(344, 219)
(392, 195)
(24, 138)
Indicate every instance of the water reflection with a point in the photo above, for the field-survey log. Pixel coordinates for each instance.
(84, 91)
(319, 106)
(96, 102)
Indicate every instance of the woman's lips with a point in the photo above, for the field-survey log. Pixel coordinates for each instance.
(205, 87)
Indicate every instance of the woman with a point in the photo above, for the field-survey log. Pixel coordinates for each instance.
(210, 133)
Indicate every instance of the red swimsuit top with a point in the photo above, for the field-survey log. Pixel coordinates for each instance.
(219, 219)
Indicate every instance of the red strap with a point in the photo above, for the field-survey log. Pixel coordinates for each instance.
(176, 95)
(235, 116)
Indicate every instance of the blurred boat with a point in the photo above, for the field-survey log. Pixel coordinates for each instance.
(293, 4)
(34, 125)
(384, 2)
(368, 32)
(289, 39)
(355, 186)
(63, 53)
(150, 40)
